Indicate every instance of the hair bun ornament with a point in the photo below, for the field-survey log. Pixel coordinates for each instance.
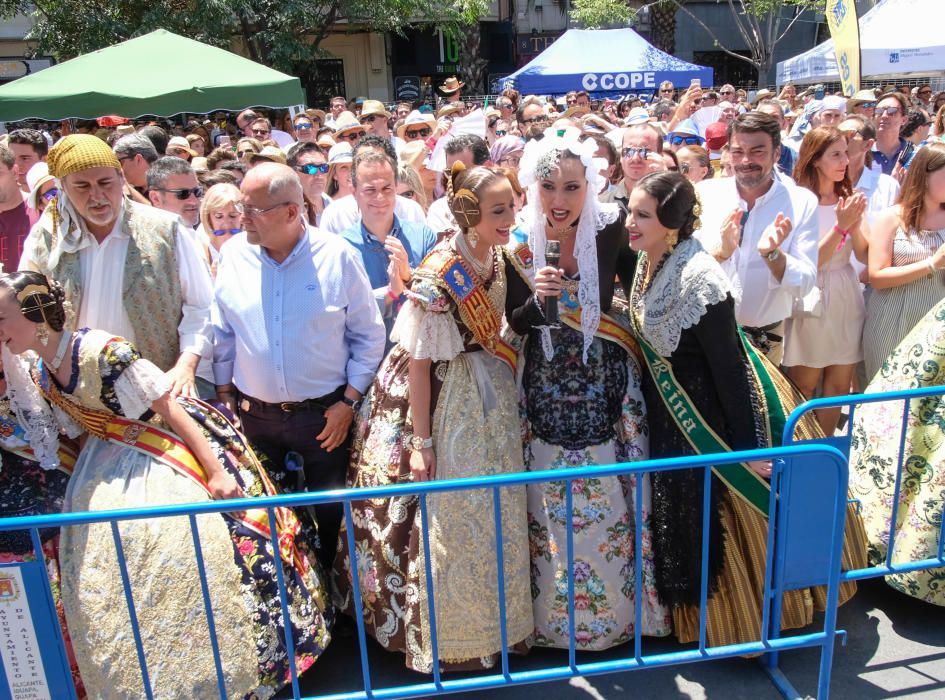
(696, 213)
(465, 206)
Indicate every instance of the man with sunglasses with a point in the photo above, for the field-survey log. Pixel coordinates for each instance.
(305, 128)
(128, 268)
(640, 154)
(416, 127)
(311, 164)
(173, 187)
(891, 113)
(685, 134)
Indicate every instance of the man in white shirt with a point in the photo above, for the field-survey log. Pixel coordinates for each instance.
(762, 229)
(881, 190)
(126, 268)
(343, 213)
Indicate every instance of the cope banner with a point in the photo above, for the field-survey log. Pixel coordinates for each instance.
(845, 32)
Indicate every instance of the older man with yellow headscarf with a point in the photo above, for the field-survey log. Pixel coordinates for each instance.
(127, 268)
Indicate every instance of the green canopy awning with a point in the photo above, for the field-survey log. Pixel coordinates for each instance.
(159, 73)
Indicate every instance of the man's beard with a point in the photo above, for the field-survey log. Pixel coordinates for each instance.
(751, 177)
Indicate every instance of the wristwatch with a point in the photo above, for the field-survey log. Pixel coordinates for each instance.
(773, 255)
(417, 443)
(353, 404)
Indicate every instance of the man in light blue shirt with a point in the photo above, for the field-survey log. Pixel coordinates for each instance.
(298, 339)
(389, 248)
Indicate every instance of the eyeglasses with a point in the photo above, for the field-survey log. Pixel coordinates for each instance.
(418, 133)
(312, 169)
(225, 231)
(511, 160)
(303, 127)
(49, 194)
(678, 139)
(350, 137)
(891, 111)
(261, 132)
(247, 210)
(184, 192)
(630, 151)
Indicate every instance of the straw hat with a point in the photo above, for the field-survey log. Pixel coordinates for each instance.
(860, 97)
(372, 107)
(449, 108)
(269, 153)
(637, 115)
(763, 94)
(325, 141)
(416, 118)
(179, 143)
(340, 153)
(37, 176)
(346, 122)
(315, 114)
(451, 85)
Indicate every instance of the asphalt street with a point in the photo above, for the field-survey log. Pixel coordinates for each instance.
(895, 648)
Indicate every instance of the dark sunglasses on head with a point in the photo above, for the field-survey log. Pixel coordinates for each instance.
(303, 127)
(312, 169)
(418, 133)
(49, 194)
(631, 151)
(184, 193)
(679, 139)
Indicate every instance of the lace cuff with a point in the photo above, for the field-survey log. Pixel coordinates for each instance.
(138, 386)
(427, 335)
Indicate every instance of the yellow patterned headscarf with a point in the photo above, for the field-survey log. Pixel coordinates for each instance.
(79, 152)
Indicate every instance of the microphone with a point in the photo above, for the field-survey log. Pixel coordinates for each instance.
(552, 259)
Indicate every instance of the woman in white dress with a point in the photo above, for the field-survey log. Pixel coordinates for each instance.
(823, 338)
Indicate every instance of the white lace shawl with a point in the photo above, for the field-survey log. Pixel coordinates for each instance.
(40, 421)
(427, 335)
(140, 385)
(594, 216)
(689, 282)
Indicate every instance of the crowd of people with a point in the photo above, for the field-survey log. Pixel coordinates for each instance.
(360, 297)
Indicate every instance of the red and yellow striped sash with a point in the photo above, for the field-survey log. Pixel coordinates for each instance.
(608, 329)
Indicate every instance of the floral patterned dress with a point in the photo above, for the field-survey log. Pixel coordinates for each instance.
(475, 432)
(28, 489)
(919, 361)
(109, 378)
(579, 413)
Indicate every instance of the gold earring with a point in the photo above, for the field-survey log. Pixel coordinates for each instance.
(42, 333)
(472, 235)
(671, 239)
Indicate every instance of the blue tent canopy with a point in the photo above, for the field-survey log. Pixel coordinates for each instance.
(603, 62)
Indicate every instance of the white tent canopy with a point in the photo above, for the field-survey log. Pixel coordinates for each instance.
(898, 38)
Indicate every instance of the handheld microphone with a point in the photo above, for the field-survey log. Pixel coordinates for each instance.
(553, 259)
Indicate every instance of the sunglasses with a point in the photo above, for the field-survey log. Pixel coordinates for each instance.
(533, 120)
(678, 140)
(303, 127)
(925, 92)
(184, 193)
(726, 92)
(418, 133)
(668, 90)
(630, 151)
(350, 137)
(261, 132)
(225, 231)
(312, 169)
(370, 118)
(867, 105)
(501, 132)
(49, 194)
(245, 151)
(891, 111)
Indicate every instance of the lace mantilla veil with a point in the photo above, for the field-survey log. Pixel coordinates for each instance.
(594, 217)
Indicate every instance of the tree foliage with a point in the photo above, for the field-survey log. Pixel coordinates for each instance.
(283, 34)
(762, 24)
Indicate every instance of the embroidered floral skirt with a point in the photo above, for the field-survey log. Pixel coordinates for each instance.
(475, 433)
(161, 563)
(919, 361)
(604, 527)
(28, 489)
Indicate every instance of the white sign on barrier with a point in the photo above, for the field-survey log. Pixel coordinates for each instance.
(19, 647)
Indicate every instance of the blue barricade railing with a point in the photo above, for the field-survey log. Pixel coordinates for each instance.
(843, 443)
(807, 509)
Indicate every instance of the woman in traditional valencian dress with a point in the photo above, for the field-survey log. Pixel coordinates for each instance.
(34, 474)
(443, 406)
(683, 313)
(582, 406)
(103, 385)
(918, 362)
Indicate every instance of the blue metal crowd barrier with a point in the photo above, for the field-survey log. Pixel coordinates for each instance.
(843, 443)
(807, 507)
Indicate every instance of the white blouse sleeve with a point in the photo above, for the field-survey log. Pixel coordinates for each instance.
(427, 335)
(138, 386)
